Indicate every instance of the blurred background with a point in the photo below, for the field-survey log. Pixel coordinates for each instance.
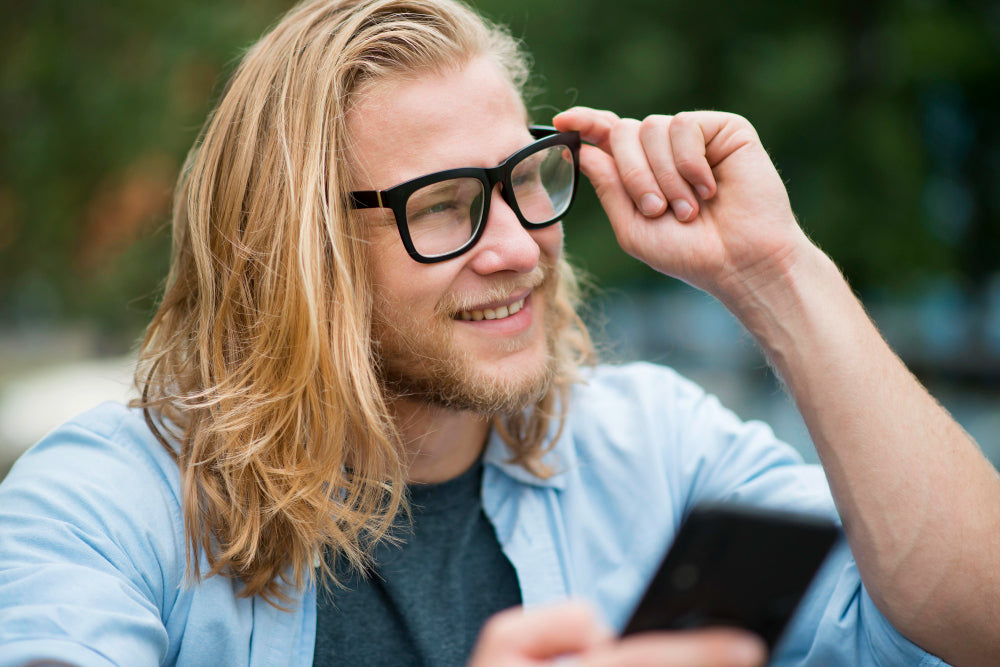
(882, 117)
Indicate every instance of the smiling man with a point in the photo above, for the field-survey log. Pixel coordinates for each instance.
(370, 418)
(471, 333)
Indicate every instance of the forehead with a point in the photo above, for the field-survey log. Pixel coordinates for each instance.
(404, 128)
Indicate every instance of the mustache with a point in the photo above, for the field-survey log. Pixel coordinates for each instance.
(540, 276)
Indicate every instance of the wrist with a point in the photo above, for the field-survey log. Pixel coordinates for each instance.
(778, 282)
(798, 298)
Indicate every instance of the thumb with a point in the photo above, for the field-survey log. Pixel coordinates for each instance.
(519, 637)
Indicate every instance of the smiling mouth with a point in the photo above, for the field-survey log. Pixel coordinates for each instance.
(491, 313)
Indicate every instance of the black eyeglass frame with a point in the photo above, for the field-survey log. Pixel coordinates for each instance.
(395, 197)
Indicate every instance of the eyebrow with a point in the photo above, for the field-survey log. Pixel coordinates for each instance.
(533, 159)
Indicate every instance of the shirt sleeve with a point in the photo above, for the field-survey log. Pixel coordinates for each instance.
(88, 550)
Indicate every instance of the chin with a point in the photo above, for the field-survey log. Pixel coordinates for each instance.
(503, 393)
(466, 382)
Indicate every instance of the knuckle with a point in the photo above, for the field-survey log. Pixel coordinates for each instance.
(655, 122)
(683, 120)
(742, 129)
(746, 134)
(740, 120)
(688, 163)
(623, 127)
(634, 177)
(667, 178)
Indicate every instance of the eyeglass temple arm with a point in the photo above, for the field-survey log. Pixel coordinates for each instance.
(539, 131)
(366, 199)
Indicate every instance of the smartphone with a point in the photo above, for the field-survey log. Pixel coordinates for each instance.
(738, 566)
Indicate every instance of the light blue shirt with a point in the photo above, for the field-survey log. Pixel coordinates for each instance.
(92, 545)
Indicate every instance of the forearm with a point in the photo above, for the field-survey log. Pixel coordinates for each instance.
(919, 502)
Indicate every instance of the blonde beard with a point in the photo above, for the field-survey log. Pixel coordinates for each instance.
(420, 361)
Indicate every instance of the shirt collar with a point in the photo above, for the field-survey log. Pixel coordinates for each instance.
(559, 459)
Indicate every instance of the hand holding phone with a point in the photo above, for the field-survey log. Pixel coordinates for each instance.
(572, 632)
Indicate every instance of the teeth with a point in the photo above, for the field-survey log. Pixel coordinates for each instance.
(492, 313)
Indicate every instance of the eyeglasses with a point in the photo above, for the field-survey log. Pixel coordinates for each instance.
(442, 215)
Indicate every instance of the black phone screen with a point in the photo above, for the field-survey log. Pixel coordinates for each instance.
(738, 566)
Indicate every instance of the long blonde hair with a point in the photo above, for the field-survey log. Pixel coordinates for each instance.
(257, 371)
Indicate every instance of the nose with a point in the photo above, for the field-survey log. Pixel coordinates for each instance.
(505, 244)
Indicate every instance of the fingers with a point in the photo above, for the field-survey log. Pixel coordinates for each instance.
(717, 647)
(661, 160)
(636, 170)
(570, 633)
(655, 138)
(516, 637)
(690, 135)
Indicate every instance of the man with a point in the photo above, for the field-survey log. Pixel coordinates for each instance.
(367, 370)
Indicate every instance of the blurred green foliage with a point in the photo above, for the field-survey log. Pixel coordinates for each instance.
(882, 118)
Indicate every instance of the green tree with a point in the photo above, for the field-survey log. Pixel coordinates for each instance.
(881, 116)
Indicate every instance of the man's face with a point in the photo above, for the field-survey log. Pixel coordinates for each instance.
(432, 345)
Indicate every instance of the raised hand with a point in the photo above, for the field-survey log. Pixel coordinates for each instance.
(695, 195)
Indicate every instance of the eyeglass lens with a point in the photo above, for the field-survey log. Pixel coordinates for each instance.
(443, 216)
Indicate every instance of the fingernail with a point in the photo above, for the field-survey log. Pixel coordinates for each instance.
(703, 191)
(682, 209)
(650, 204)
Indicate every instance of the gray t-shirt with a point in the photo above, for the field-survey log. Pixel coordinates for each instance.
(428, 598)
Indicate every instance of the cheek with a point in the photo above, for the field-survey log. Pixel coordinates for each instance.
(386, 252)
(404, 283)
(391, 273)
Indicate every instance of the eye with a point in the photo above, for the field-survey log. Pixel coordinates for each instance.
(525, 178)
(436, 208)
(440, 207)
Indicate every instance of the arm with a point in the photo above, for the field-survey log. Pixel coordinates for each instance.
(517, 638)
(82, 579)
(919, 502)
